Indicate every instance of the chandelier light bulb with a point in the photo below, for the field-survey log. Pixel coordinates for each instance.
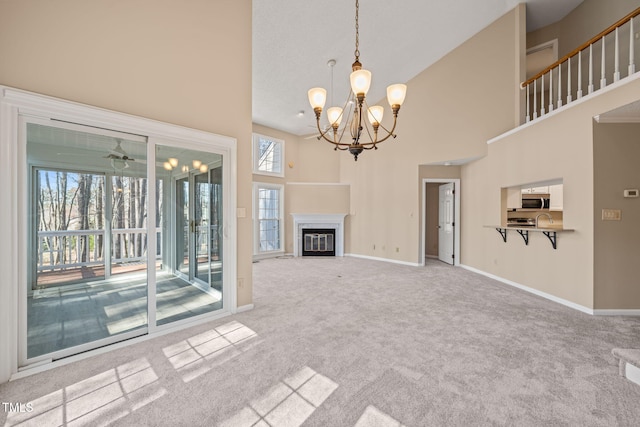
(375, 114)
(360, 82)
(173, 162)
(317, 97)
(334, 114)
(396, 94)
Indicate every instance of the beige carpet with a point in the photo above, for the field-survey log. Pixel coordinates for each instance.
(351, 342)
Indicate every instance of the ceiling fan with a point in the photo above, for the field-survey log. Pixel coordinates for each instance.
(119, 158)
(118, 153)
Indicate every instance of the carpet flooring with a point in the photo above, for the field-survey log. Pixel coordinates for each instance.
(353, 342)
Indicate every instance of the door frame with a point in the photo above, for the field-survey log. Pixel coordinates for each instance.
(423, 215)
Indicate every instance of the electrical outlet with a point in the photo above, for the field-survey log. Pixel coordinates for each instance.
(611, 214)
(240, 283)
(397, 249)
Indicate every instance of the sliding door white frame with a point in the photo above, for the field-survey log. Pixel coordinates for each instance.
(17, 104)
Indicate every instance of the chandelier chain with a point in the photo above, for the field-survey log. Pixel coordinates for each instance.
(357, 51)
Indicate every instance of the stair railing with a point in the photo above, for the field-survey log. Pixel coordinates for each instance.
(584, 74)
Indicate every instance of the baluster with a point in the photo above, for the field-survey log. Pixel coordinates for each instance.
(632, 65)
(579, 93)
(590, 90)
(542, 110)
(616, 60)
(528, 118)
(535, 102)
(569, 97)
(559, 85)
(551, 90)
(603, 77)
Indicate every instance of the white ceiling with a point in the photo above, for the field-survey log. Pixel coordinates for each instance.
(294, 39)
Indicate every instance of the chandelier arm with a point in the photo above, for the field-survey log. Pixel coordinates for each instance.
(366, 127)
(348, 114)
(372, 144)
(322, 133)
(390, 132)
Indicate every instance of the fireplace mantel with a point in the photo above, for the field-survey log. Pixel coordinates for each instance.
(330, 221)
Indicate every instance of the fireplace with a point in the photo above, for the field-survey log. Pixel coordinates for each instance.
(318, 242)
(326, 223)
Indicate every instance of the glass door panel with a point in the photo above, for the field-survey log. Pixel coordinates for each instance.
(87, 276)
(202, 227)
(187, 283)
(217, 227)
(182, 226)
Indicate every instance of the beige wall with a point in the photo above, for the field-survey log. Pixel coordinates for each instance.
(616, 152)
(450, 112)
(558, 146)
(187, 64)
(581, 24)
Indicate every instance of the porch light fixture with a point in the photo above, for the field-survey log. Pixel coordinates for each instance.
(353, 109)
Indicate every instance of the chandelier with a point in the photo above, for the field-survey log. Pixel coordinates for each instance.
(354, 108)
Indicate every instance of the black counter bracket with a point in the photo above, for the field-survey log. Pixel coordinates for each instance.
(551, 235)
(503, 233)
(553, 240)
(525, 236)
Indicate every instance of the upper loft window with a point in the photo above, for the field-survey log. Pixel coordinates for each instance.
(268, 155)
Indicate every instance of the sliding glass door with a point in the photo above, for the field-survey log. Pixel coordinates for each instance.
(87, 282)
(195, 205)
(125, 236)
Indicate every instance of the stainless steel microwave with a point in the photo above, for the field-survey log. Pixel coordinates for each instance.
(535, 201)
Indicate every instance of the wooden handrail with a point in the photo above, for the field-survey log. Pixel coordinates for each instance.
(583, 46)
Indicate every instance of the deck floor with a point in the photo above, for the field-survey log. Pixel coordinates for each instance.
(59, 317)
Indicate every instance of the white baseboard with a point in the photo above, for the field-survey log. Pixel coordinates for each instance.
(532, 290)
(246, 307)
(394, 261)
(632, 373)
(623, 312)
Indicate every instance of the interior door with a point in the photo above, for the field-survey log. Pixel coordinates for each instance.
(446, 225)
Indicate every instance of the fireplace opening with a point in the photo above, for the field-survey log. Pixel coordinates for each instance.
(318, 242)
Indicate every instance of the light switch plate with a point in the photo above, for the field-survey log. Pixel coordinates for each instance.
(611, 214)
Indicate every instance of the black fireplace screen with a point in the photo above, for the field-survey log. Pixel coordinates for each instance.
(318, 242)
